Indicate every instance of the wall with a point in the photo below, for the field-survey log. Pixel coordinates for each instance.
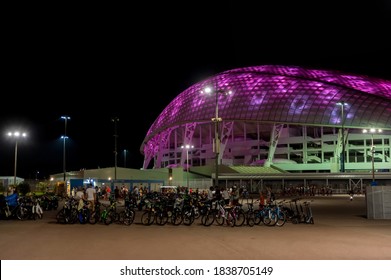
(378, 202)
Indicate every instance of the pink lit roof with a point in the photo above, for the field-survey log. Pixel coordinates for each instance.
(282, 94)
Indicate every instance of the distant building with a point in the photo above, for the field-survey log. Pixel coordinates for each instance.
(7, 181)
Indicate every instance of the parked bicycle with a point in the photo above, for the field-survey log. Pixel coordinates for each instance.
(110, 214)
(36, 210)
(250, 214)
(224, 214)
(126, 216)
(83, 211)
(239, 215)
(68, 213)
(96, 214)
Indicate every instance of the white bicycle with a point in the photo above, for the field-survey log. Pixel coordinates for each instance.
(36, 210)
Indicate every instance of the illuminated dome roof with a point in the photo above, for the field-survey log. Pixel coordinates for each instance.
(283, 94)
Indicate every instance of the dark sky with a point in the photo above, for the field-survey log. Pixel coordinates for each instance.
(96, 62)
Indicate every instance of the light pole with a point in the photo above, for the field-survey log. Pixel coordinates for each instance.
(125, 151)
(64, 137)
(187, 147)
(16, 135)
(342, 155)
(115, 120)
(372, 131)
(216, 120)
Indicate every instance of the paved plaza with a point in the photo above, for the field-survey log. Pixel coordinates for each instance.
(341, 232)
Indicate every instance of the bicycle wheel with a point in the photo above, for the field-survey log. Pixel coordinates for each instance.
(197, 213)
(188, 217)
(219, 218)
(231, 220)
(161, 218)
(126, 217)
(94, 217)
(208, 218)
(147, 218)
(289, 213)
(176, 217)
(110, 218)
(240, 218)
(104, 215)
(250, 218)
(258, 217)
(60, 217)
(270, 219)
(22, 213)
(131, 215)
(71, 216)
(281, 219)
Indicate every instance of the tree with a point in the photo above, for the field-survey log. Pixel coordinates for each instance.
(23, 188)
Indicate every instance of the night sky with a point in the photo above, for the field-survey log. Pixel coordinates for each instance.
(97, 62)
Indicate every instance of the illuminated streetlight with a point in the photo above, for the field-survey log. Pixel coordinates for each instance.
(64, 137)
(342, 155)
(372, 131)
(16, 135)
(216, 120)
(170, 180)
(187, 147)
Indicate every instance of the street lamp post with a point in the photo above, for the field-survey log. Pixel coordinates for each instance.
(187, 147)
(115, 120)
(342, 155)
(372, 131)
(217, 120)
(16, 135)
(64, 137)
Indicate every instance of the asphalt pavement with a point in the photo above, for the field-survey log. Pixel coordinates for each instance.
(340, 231)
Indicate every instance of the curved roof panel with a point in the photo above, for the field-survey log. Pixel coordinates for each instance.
(282, 94)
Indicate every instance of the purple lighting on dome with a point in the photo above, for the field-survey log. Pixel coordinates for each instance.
(282, 94)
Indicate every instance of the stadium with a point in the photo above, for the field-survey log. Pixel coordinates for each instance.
(273, 122)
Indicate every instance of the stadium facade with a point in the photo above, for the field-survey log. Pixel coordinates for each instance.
(283, 119)
(276, 126)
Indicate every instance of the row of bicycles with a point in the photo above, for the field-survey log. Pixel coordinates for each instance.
(172, 208)
(279, 212)
(21, 208)
(176, 209)
(186, 210)
(79, 211)
(275, 213)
